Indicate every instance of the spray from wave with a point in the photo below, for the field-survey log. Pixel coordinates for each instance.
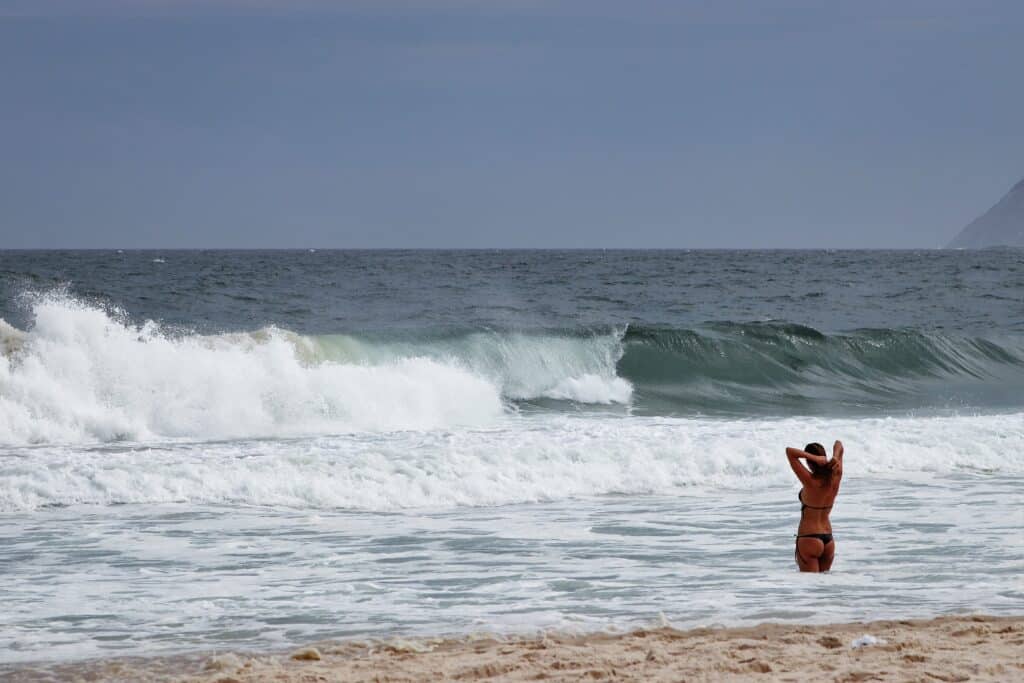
(82, 373)
(85, 373)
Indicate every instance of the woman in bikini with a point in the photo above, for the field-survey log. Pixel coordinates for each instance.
(815, 547)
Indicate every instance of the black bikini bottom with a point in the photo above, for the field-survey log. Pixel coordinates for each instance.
(824, 538)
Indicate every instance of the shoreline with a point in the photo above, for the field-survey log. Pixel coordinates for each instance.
(947, 648)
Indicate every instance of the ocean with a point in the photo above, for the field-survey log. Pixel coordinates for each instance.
(243, 450)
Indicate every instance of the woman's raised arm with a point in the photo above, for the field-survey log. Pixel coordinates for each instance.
(801, 472)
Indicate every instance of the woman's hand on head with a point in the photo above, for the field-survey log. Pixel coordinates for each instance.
(837, 450)
(795, 453)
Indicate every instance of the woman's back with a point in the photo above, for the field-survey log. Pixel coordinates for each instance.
(815, 506)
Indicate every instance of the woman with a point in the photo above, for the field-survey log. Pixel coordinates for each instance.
(815, 547)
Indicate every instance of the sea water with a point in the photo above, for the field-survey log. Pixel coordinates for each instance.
(242, 450)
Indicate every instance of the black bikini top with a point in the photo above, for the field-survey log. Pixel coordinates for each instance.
(804, 506)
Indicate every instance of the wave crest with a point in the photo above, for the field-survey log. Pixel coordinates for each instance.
(84, 374)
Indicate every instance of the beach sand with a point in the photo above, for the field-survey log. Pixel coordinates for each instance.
(961, 648)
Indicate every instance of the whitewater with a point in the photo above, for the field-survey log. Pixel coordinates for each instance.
(194, 456)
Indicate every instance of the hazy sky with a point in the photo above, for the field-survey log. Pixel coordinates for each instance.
(248, 123)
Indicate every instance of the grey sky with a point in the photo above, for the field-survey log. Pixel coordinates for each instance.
(263, 123)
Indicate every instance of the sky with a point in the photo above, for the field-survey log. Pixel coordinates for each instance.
(501, 124)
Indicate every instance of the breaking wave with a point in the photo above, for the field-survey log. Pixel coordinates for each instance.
(87, 373)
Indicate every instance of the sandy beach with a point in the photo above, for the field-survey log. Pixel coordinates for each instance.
(961, 648)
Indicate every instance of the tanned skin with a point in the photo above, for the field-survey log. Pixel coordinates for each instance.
(820, 491)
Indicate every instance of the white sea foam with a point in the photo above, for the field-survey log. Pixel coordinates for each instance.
(526, 459)
(85, 374)
(592, 388)
(11, 338)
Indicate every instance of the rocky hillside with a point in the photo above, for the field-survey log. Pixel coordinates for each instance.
(1002, 225)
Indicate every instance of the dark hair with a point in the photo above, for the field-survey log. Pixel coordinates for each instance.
(822, 472)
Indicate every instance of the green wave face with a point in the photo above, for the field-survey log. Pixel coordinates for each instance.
(787, 368)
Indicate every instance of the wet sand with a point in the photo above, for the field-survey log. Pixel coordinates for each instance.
(961, 648)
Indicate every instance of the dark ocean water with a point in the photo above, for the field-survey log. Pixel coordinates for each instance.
(971, 292)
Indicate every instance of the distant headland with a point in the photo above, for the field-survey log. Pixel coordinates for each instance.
(1000, 226)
